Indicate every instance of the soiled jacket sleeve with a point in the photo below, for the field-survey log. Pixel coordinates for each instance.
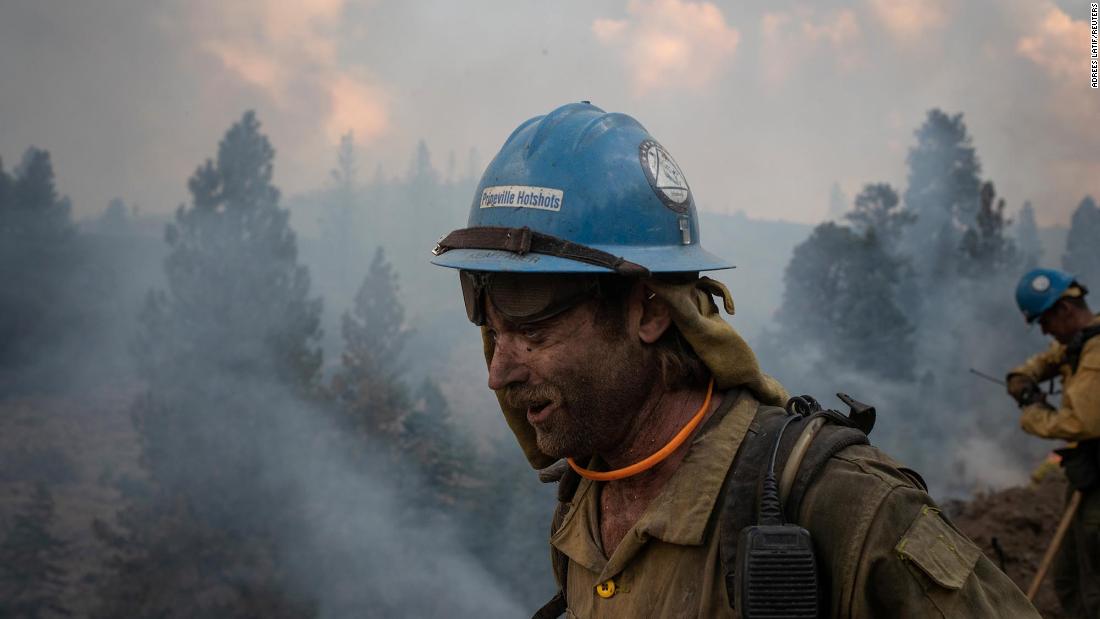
(1078, 417)
(1042, 366)
(891, 553)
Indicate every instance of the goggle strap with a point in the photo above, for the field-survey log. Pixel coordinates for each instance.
(523, 240)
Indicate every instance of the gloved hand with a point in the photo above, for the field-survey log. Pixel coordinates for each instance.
(1023, 389)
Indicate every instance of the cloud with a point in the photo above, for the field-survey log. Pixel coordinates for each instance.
(670, 44)
(355, 107)
(1058, 44)
(289, 51)
(1055, 129)
(609, 29)
(838, 30)
(908, 21)
(790, 38)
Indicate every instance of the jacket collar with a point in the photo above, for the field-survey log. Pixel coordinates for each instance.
(680, 513)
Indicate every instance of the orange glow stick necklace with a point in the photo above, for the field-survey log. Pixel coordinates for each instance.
(657, 457)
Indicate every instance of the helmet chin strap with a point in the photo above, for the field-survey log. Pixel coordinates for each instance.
(657, 457)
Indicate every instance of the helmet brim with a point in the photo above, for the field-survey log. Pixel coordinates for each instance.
(671, 260)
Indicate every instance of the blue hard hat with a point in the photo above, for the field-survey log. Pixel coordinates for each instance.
(1040, 289)
(580, 191)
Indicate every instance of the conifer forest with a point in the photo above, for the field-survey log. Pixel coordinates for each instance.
(261, 400)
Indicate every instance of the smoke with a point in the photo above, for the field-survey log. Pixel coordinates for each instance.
(960, 432)
(290, 51)
(129, 96)
(354, 529)
(1054, 42)
(361, 548)
(797, 37)
(670, 44)
(908, 21)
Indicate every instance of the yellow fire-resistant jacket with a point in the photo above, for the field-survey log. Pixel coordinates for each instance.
(885, 549)
(1078, 418)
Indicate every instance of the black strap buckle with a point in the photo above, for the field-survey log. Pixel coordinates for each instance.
(518, 240)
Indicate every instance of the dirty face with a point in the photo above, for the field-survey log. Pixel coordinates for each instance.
(1058, 322)
(580, 378)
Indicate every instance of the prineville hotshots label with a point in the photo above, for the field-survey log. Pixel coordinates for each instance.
(522, 196)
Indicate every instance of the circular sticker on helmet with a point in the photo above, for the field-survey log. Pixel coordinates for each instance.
(664, 176)
(1040, 283)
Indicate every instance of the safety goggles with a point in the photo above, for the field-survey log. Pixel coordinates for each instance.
(524, 297)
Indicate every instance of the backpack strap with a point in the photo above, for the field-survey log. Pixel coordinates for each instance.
(567, 487)
(1073, 350)
(804, 450)
(553, 609)
(738, 509)
(826, 443)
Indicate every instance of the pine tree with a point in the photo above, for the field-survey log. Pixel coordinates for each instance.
(985, 248)
(943, 189)
(339, 213)
(31, 575)
(222, 349)
(375, 334)
(473, 165)
(1026, 235)
(840, 293)
(1082, 256)
(34, 209)
(421, 192)
(420, 168)
(876, 212)
(37, 260)
(233, 275)
(944, 260)
(115, 218)
(944, 170)
(433, 439)
(347, 166)
(6, 183)
(838, 202)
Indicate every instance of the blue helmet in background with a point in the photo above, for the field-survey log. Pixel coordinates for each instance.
(580, 191)
(1040, 289)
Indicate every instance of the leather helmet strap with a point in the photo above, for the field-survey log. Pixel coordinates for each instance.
(523, 240)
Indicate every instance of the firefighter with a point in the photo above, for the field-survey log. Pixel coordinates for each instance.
(1056, 300)
(581, 263)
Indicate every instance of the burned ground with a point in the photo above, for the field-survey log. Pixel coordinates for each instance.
(1020, 522)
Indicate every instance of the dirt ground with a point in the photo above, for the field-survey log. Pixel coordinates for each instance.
(81, 447)
(1020, 522)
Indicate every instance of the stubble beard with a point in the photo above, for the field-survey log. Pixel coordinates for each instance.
(596, 403)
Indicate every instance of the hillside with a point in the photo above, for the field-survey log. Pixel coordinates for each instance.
(1020, 522)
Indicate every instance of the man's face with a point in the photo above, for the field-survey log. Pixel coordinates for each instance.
(1057, 322)
(581, 375)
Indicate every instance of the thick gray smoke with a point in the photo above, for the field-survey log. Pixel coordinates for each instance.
(896, 303)
(360, 548)
(440, 516)
(321, 519)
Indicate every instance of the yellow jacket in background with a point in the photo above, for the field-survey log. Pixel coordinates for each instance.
(1078, 417)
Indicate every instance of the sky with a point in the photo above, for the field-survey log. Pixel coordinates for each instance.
(764, 105)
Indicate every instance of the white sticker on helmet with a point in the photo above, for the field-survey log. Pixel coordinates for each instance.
(522, 196)
(665, 176)
(1040, 283)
